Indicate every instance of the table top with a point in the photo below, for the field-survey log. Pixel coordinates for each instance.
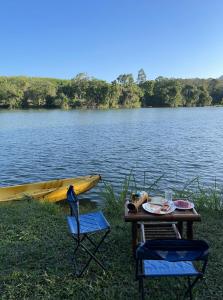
(176, 215)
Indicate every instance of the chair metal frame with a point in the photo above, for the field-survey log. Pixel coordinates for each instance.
(82, 227)
(173, 253)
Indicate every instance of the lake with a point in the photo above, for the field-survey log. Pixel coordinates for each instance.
(178, 143)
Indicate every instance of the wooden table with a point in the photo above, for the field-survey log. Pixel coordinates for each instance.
(179, 216)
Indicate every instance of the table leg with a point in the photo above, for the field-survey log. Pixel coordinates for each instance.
(134, 237)
(189, 230)
(180, 228)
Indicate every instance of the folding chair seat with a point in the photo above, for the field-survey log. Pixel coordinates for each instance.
(83, 227)
(89, 223)
(173, 258)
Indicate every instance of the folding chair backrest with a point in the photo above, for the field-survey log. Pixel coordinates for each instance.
(173, 250)
(73, 201)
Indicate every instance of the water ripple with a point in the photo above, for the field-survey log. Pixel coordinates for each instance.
(179, 143)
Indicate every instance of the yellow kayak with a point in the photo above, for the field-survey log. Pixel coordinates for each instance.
(51, 191)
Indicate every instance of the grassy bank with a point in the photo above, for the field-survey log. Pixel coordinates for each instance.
(36, 250)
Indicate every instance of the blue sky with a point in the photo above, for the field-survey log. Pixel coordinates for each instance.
(105, 38)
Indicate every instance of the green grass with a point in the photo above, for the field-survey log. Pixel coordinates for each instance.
(210, 197)
(36, 250)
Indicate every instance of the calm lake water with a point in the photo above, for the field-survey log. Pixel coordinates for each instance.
(180, 143)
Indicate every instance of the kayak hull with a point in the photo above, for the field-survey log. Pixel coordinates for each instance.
(50, 191)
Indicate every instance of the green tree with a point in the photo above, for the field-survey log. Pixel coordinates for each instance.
(10, 94)
(216, 90)
(61, 101)
(98, 94)
(190, 95)
(147, 91)
(125, 79)
(130, 96)
(141, 77)
(167, 92)
(40, 93)
(204, 97)
(79, 86)
(173, 96)
(84, 91)
(114, 94)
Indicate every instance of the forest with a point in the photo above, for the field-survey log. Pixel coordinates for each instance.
(83, 91)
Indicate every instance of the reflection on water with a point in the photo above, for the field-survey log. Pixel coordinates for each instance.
(180, 143)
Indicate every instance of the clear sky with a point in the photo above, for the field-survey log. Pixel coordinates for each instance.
(105, 38)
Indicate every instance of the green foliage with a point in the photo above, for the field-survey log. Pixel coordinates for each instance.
(40, 93)
(10, 94)
(113, 203)
(86, 92)
(190, 95)
(204, 97)
(216, 90)
(147, 90)
(141, 76)
(97, 94)
(125, 79)
(130, 96)
(114, 94)
(210, 198)
(167, 92)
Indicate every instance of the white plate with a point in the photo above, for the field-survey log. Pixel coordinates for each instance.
(183, 208)
(159, 200)
(147, 207)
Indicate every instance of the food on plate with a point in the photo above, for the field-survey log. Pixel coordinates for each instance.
(159, 209)
(182, 203)
(165, 207)
(155, 208)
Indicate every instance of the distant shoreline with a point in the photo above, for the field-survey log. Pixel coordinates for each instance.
(84, 92)
(97, 109)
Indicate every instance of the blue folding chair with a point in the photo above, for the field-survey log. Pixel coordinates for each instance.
(83, 227)
(159, 258)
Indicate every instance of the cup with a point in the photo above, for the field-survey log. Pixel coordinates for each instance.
(168, 195)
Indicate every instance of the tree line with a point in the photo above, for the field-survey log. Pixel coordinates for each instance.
(124, 92)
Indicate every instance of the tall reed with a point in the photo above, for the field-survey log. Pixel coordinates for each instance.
(113, 203)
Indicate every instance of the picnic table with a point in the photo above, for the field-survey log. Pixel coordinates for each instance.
(180, 216)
